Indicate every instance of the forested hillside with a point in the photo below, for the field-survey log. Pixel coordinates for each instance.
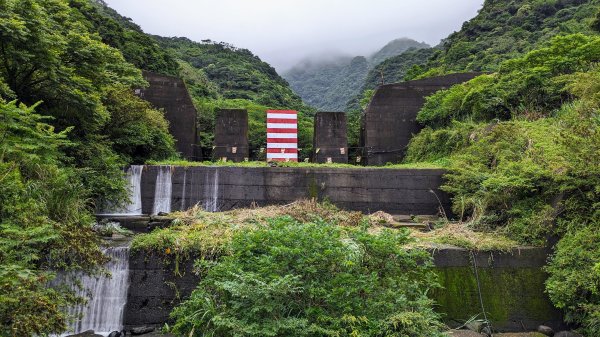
(395, 48)
(522, 143)
(218, 75)
(506, 29)
(119, 32)
(329, 85)
(392, 70)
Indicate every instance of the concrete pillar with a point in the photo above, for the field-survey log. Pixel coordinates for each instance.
(390, 120)
(330, 143)
(231, 135)
(170, 94)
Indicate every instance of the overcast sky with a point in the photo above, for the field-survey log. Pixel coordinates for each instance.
(283, 32)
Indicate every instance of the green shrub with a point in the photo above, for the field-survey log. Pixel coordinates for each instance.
(529, 87)
(312, 279)
(574, 283)
(430, 144)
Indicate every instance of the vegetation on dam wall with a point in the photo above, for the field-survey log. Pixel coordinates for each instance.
(511, 278)
(312, 279)
(524, 151)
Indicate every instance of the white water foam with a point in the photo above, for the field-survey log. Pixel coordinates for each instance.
(163, 190)
(107, 295)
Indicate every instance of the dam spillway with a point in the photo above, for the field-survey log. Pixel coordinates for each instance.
(214, 188)
(106, 294)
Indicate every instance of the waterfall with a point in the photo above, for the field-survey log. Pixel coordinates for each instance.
(163, 190)
(134, 187)
(211, 191)
(183, 192)
(107, 295)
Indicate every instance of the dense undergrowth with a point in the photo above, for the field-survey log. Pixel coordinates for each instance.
(523, 146)
(312, 279)
(305, 269)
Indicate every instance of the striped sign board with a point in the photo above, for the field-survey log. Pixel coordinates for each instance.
(282, 135)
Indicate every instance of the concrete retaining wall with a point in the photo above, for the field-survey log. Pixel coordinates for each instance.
(512, 288)
(396, 191)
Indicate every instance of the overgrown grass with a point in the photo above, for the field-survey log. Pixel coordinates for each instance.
(200, 233)
(420, 165)
(461, 235)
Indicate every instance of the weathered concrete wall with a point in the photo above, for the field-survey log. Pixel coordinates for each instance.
(512, 288)
(390, 120)
(330, 138)
(170, 94)
(511, 283)
(396, 191)
(231, 135)
(157, 285)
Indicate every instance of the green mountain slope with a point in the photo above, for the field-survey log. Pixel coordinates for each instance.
(506, 29)
(392, 70)
(329, 85)
(120, 32)
(236, 72)
(394, 48)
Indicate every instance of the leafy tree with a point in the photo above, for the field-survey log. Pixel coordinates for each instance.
(136, 130)
(574, 283)
(44, 224)
(49, 54)
(312, 279)
(121, 33)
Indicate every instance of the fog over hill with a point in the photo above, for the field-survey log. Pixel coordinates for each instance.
(328, 82)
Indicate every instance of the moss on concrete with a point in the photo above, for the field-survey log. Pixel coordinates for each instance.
(511, 296)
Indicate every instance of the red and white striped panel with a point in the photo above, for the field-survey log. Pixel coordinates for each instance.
(282, 135)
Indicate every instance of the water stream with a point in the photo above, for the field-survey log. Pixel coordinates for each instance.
(107, 295)
(211, 191)
(163, 190)
(183, 191)
(134, 186)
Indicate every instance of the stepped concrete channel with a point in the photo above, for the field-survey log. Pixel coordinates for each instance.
(508, 285)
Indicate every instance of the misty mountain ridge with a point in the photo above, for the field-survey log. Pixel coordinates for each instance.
(328, 83)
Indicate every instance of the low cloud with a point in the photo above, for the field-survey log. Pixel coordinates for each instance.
(284, 32)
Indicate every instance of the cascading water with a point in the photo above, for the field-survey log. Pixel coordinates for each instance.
(163, 190)
(211, 191)
(183, 191)
(134, 186)
(107, 295)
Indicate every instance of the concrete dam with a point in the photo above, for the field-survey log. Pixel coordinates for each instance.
(512, 283)
(162, 189)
